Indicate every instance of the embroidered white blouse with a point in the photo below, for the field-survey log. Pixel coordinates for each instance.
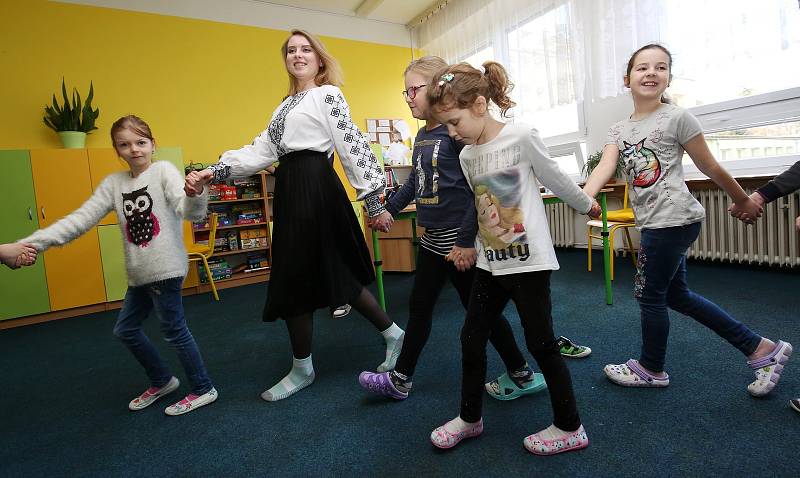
(317, 120)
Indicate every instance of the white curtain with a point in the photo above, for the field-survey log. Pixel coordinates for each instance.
(562, 51)
(531, 38)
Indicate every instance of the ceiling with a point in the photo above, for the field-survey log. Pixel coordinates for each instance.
(400, 12)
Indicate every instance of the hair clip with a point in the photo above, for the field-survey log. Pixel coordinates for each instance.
(447, 77)
(482, 69)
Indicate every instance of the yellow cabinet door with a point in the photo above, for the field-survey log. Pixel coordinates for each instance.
(102, 162)
(62, 183)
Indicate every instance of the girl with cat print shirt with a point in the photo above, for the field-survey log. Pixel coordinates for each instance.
(652, 142)
(150, 203)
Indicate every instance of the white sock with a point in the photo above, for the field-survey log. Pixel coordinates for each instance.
(553, 432)
(300, 377)
(394, 344)
(458, 425)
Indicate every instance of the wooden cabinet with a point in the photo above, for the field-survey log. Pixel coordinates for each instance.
(23, 291)
(243, 236)
(46, 185)
(397, 247)
(62, 182)
(112, 254)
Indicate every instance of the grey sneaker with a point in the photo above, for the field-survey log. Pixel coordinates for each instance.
(192, 402)
(152, 394)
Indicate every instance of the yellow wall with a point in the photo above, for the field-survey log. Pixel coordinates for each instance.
(201, 85)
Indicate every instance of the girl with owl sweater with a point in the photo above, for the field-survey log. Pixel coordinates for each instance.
(150, 204)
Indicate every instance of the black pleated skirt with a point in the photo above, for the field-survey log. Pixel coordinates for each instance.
(319, 256)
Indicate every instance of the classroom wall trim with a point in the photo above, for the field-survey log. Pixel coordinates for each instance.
(268, 15)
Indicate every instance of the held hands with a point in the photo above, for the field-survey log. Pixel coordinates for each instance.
(748, 209)
(196, 181)
(596, 211)
(17, 255)
(462, 257)
(382, 222)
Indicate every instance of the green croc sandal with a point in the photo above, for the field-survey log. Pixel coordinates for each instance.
(503, 388)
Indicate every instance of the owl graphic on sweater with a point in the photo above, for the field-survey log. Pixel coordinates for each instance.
(141, 224)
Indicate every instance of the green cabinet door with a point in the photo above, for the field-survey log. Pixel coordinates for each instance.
(113, 257)
(173, 154)
(22, 291)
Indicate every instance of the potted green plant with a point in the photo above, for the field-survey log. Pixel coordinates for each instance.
(72, 121)
(594, 159)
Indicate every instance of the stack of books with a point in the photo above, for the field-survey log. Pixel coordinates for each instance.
(247, 214)
(219, 269)
(257, 261)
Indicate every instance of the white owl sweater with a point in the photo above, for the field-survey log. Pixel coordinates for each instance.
(150, 208)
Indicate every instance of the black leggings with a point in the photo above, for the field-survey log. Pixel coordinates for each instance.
(432, 271)
(530, 292)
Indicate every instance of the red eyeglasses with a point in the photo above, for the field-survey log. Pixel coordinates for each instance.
(411, 92)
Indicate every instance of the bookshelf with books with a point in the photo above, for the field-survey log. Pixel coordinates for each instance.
(396, 176)
(242, 247)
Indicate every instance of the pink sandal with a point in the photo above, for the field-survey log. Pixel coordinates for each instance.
(442, 438)
(569, 442)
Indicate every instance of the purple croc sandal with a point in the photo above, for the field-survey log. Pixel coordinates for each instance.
(631, 374)
(769, 368)
(381, 384)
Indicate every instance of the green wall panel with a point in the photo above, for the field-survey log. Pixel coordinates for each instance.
(173, 154)
(113, 257)
(22, 291)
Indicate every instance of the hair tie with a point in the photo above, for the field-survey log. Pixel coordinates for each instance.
(482, 70)
(446, 78)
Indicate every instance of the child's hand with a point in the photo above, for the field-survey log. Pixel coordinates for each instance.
(596, 211)
(382, 222)
(196, 181)
(17, 255)
(748, 209)
(462, 257)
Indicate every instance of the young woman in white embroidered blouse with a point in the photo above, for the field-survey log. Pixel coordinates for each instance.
(319, 255)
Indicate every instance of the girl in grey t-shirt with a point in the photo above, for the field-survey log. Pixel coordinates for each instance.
(652, 142)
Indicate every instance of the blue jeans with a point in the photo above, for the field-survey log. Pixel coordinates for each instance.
(165, 297)
(661, 282)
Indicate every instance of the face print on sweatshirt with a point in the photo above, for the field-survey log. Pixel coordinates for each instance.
(141, 224)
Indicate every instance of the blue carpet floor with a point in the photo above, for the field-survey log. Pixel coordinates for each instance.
(66, 385)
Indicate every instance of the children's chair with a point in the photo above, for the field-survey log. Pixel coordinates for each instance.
(617, 219)
(203, 252)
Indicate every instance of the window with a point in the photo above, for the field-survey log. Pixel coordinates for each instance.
(540, 66)
(569, 157)
(758, 150)
(744, 49)
(477, 58)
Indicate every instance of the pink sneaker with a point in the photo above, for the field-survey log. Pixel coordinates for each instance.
(442, 438)
(149, 396)
(192, 402)
(568, 442)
